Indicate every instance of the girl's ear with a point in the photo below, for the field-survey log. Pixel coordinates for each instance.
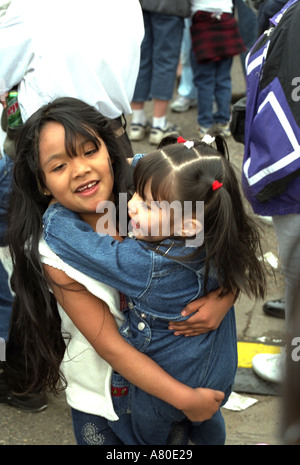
(191, 227)
(46, 191)
(43, 189)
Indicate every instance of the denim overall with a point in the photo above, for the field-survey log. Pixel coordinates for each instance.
(207, 360)
(158, 287)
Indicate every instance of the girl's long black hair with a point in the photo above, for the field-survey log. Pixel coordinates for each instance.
(231, 237)
(36, 322)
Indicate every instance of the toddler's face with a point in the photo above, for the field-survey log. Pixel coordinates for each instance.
(150, 220)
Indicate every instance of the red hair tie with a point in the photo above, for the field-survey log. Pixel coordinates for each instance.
(216, 185)
(181, 140)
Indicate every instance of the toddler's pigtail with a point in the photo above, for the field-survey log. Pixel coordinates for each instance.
(168, 140)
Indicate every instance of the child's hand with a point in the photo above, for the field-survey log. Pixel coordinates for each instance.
(210, 311)
(206, 402)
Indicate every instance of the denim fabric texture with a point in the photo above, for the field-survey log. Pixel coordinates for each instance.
(160, 51)
(158, 288)
(6, 297)
(213, 83)
(92, 430)
(6, 164)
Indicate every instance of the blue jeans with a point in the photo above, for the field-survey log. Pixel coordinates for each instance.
(160, 53)
(6, 297)
(213, 82)
(186, 86)
(208, 360)
(92, 430)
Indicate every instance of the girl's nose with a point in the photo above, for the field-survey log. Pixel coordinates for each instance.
(80, 166)
(132, 207)
(134, 203)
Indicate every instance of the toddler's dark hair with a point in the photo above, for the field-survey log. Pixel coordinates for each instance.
(231, 237)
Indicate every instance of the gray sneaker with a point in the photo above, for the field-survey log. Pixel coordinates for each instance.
(157, 134)
(182, 104)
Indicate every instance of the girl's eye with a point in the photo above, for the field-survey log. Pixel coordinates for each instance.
(59, 167)
(90, 151)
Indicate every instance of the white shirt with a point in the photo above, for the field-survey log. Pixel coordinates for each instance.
(55, 48)
(213, 6)
(88, 375)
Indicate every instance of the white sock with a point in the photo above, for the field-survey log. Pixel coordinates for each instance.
(138, 117)
(159, 122)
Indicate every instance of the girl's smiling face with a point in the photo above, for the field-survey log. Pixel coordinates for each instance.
(81, 182)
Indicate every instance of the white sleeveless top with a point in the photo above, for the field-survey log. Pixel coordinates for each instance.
(87, 374)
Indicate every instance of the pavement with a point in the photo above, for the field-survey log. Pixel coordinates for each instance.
(258, 423)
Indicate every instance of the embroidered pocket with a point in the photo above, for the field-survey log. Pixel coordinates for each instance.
(121, 393)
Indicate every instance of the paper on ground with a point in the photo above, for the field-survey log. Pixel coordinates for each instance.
(237, 402)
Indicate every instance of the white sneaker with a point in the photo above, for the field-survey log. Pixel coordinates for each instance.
(182, 104)
(269, 367)
(138, 131)
(157, 134)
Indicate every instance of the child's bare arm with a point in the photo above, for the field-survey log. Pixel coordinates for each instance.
(94, 320)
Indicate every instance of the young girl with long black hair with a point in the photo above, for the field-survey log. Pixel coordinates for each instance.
(66, 323)
(158, 272)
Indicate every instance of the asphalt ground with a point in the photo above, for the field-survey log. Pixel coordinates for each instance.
(259, 423)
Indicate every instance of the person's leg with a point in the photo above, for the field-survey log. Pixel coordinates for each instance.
(207, 361)
(167, 36)
(271, 367)
(143, 83)
(187, 93)
(139, 126)
(186, 86)
(287, 229)
(204, 79)
(93, 430)
(153, 421)
(223, 90)
(209, 433)
(144, 419)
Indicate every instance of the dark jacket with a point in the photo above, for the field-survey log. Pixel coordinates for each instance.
(271, 166)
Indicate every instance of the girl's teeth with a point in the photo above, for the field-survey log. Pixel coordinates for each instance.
(88, 186)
